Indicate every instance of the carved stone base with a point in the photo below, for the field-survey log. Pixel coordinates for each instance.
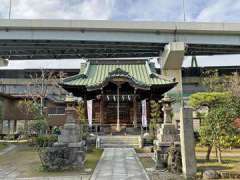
(160, 154)
(64, 156)
(167, 133)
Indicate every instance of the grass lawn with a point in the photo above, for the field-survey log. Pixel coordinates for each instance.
(147, 162)
(27, 163)
(199, 148)
(92, 158)
(229, 163)
(2, 146)
(231, 159)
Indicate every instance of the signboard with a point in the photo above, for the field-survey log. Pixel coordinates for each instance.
(89, 111)
(144, 113)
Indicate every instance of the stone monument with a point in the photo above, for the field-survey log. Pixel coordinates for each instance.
(187, 143)
(167, 135)
(69, 151)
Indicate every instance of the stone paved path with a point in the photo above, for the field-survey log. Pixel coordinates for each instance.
(7, 149)
(119, 164)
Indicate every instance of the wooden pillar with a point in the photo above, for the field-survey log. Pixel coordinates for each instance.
(101, 109)
(9, 126)
(135, 111)
(118, 103)
(15, 126)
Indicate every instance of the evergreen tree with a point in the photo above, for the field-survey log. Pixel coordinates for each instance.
(155, 117)
(1, 117)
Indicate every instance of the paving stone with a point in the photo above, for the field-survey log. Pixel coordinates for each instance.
(119, 164)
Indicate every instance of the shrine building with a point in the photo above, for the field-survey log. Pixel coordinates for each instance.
(117, 90)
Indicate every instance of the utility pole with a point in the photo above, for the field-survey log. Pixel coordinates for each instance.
(10, 9)
(184, 15)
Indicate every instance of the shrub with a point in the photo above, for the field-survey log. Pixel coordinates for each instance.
(44, 140)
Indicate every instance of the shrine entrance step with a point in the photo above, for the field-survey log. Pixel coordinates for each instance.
(119, 141)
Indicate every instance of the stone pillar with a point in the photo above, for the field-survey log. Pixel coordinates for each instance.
(187, 143)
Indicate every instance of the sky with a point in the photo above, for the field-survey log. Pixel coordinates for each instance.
(126, 10)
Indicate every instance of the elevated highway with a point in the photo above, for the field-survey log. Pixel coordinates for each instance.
(46, 39)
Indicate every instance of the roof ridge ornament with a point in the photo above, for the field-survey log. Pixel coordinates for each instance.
(118, 71)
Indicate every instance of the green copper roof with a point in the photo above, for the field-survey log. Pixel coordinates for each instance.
(95, 74)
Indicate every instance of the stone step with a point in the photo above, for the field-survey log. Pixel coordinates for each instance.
(119, 141)
(120, 145)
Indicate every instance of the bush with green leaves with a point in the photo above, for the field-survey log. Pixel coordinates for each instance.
(208, 99)
(155, 117)
(44, 140)
(80, 110)
(1, 116)
(217, 126)
(39, 125)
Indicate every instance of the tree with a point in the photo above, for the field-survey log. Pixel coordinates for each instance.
(1, 117)
(223, 101)
(26, 107)
(155, 117)
(233, 84)
(39, 125)
(217, 125)
(212, 81)
(32, 111)
(80, 110)
(209, 100)
(41, 84)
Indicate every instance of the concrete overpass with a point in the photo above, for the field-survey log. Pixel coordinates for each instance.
(46, 39)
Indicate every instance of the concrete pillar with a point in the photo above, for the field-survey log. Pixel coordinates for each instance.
(3, 62)
(187, 143)
(171, 64)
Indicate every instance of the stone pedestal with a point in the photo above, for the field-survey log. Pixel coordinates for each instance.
(167, 135)
(160, 154)
(69, 151)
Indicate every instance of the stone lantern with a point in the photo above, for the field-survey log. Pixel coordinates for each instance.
(167, 134)
(167, 109)
(71, 130)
